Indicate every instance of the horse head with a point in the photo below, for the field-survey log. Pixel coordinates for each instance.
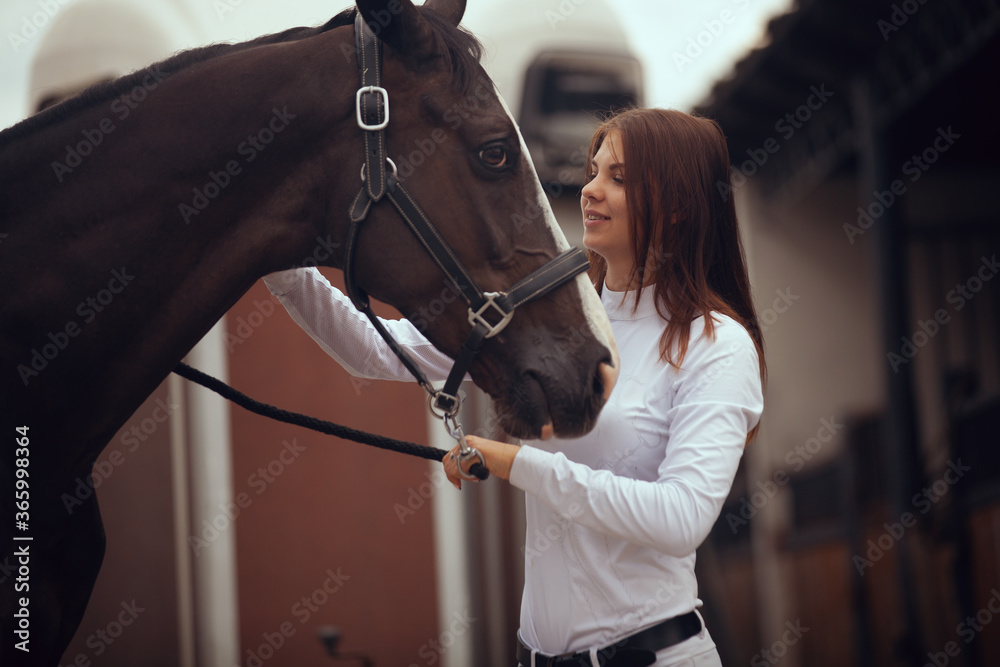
(455, 146)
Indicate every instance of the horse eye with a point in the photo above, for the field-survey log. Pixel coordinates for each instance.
(494, 156)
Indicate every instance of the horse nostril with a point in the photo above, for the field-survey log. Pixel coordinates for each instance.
(607, 376)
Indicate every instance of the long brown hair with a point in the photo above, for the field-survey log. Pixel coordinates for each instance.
(684, 234)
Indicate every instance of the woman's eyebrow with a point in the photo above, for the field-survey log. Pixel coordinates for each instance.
(611, 167)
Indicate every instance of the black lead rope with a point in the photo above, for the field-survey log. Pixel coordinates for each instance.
(305, 421)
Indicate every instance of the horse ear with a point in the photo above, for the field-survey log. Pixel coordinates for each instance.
(453, 10)
(399, 24)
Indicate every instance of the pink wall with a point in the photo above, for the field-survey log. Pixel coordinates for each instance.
(326, 520)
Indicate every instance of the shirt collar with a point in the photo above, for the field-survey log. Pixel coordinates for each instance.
(619, 304)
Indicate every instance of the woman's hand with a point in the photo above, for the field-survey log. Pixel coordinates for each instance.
(499, 457)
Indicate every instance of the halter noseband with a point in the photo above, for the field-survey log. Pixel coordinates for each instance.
(372, 107)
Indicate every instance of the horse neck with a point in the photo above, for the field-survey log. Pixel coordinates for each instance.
(218, 177)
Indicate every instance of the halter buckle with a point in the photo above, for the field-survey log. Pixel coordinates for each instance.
(377, 90)
(476, 316)
(444, 406)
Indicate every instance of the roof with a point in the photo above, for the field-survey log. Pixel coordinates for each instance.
(802, 88)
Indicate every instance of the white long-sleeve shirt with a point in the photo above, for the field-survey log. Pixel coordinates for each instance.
(613, 517)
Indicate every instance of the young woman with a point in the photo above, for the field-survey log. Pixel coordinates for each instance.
(632, 500)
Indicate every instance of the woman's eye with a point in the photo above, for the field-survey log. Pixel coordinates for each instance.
(494, 156)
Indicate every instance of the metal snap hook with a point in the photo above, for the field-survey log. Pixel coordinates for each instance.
(465, 453)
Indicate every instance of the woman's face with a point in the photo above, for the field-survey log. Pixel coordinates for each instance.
(605, 215)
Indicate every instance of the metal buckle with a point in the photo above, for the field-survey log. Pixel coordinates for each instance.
(437, 401)
(391, 164)
(378, 90)
(476, 316)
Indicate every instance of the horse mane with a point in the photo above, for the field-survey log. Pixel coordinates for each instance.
(463, 52)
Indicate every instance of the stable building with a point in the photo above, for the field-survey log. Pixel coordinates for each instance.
(863, 139)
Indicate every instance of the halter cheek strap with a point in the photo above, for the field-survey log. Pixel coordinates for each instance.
(489, 312)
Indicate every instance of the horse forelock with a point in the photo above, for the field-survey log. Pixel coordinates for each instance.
(462, 52)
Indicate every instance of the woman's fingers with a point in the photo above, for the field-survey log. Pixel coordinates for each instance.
(451, 468)
(498, 457)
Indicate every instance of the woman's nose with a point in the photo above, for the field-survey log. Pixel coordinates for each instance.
(590, 190)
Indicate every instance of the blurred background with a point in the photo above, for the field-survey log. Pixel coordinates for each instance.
(864, 525)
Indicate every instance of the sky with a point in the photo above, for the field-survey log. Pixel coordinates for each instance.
(684, 46)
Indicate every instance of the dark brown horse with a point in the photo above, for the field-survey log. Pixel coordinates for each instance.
(138, 212)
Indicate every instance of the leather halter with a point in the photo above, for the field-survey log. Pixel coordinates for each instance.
(489, 312)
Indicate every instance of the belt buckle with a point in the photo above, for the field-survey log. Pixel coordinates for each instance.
(569, 659)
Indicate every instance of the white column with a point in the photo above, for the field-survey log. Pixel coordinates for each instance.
(214, 566)
(450, 554)
(182, 521)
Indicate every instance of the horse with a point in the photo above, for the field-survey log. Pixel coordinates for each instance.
(138, 212)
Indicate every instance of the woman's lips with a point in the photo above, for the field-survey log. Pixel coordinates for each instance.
(592, 218)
